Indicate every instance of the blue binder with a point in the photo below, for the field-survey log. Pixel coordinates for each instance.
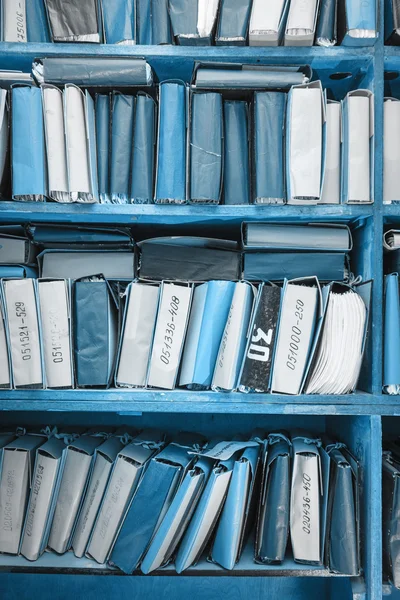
(356, 16)
(233, 23)
(269, 136)
(123, 108)
(150, 502)
(153, 23)
(28, 151)
(36, 22)
(171, 154)
(206, 135)
(275, 266)
(144, 140)
(391, 365)
(102, 112)
(119, 21)
(236, 153)
(204, 335)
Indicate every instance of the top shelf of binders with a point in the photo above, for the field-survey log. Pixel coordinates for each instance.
(325, 23)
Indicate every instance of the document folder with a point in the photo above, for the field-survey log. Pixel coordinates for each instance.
(143, 154)
(123, 110)
(236, 153)
(74, 21)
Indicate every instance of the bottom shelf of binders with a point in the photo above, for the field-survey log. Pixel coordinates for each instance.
(232, 441)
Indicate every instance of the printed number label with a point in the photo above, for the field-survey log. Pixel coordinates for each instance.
(256, 350)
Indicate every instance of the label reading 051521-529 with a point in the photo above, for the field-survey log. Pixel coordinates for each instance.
(24, 340)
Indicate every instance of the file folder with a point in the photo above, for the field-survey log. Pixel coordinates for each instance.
(173, 526)
(275, 266)
(80, 139)
(358, 147)
(391, 149)
(171, 146)
(149, 505)
(104, 458)
(217, 76)
(103, 119)
(305, 524)
(325, 237)
(390, 520)
(16, 250)
(137, 334)
(74, 22)
(257, 362)
(169, 335)
(123, 109)
(236, 153)
(301, 23)
(153, 22)
(233, 23)
(327, 24)
(76, 264)
(193, 21)
(94, 72)
(231, 351)
(305, 143)
(17, 272)
(13, 21)
(54, 128)
(274, 508)
(143, 154)
(391, 350)
(236, 514)
(119, 21)
(343, 520)
(79, 459)
(301, 307)
(43, 497)
(268, 148)
(36, 21)
(267, 22)
(28, 159)
(16, 474)
(331, 184)
(95, 323)
(55, 317)
(22, 317)
(357, 23)
(206, 145)
(208, 510)
(204, 335)
(194, 260)
(126, 474)
(80, 237)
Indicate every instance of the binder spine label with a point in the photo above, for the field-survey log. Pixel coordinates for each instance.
(15, 21)
(258, 361)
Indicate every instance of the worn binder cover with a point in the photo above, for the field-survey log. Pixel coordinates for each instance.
(217, 76)
(268, 175)
(23, 332)
(274, 507)
(137, 334)
(54, 127)
(36, 21)
(149, 506)
(16, 475)
(28, 158)
(275, 266)
(204, 335)
(236, 153)
(257, 362)
(72, 264)
(144, 144)
(206, 144)
(55, 315)
(191, 262)
(123, 109)
(267, 22)
(258, 235)
(357, 22)
(233, 23)
(73, 21)
(79, 237)
(171, 147)
(153, 22)
(331, 185)
(125, 476)
(95, 322)
(103, 119)
(327, 24)
(119, 21)
(301, 23)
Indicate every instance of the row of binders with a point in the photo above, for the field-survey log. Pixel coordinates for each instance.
(192, 22)
(235, 135)
(390, 511)
(136, 501)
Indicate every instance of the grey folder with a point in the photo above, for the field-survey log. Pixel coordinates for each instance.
(274, 507)
(61, 264)
(123, 110)
(236, 153)
(73, 21)
(289, 236)
(276, 266)
(233, 23)
(249, 76)
(206, 143)
(269, 110)
(144, 144)
(16, 474)
(16, 250)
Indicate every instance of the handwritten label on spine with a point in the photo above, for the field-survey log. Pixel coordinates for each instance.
(305, 508)
(14, 27)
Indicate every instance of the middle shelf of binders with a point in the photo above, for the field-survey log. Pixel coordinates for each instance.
(295, 470)
(257, 308)
(221, 133)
